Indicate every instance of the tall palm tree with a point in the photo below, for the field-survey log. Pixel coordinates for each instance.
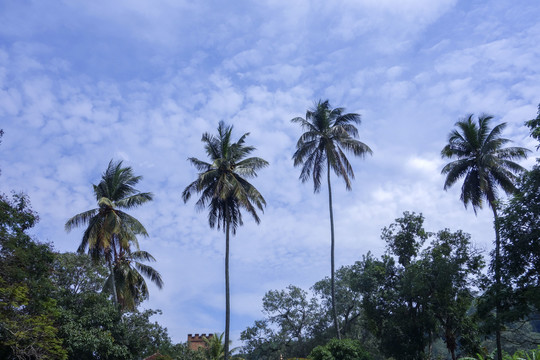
(109, 230)
(485, 166)
(128, 278)
(224, 191)
(328, 133)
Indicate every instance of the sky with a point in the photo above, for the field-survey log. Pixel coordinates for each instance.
(84, 82)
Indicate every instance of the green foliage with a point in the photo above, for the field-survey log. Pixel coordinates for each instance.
(221, 183)
(262, 342)
(519, 225)
(328, 133)
(129, 273)
(28, 312)
(215, 348)
(291, 311)
(183, 352)
(534, 126)
(425, 295)
(90, 325)
(348, 301)
(290, 321)
(518, 355)
(405, 237)
(345, 349)
(482, 160)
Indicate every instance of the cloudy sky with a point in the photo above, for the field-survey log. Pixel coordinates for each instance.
(84, 82)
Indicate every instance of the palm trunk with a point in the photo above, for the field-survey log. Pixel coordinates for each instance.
(227, 293)
(115, 294)
(111, 269)
(498, 306)
(332, 242)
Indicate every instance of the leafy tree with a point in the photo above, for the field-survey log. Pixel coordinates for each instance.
(534, 125)
(291, 318)
(425, 295)
(182, 351)
(405, 237)
(348, 301)
(90, 325)
(328, 133)
(395, 304)
(291, 311)
(452, 268)
(485, 166)
(519, 225)
(109, 230)
(261, 342)
(29, 314)
(225, 191)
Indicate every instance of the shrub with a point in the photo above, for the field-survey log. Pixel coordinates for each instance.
(335, 349)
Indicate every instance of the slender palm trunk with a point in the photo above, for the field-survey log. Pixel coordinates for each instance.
(227, 293)
(332, 242)
(498, 305)
(115, 294)
(111, 269)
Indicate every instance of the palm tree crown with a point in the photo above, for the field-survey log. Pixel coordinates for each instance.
(328, 132)
(221, 183)
(129, 273)
(482, 160)
(110, 229)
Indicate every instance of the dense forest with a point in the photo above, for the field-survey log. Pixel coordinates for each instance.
(431, 295)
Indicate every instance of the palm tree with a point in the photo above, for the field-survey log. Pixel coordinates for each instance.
(224, 191)
(485, 166)
(215, 348)
(109, 230)
(328, 133)
(128, 278)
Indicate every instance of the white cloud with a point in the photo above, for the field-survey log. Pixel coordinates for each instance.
(142, 83)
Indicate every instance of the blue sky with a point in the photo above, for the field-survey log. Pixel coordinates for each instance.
(84, 82)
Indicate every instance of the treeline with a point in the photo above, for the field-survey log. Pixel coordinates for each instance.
(52, 305)
(429, 295)
(424, 298)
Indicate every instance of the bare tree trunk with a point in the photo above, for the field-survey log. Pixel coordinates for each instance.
(332, 245)
(113, 280)
(498, 306)
(227, 293)
(111, 269)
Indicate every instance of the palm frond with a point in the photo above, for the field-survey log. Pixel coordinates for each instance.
(80, 219)
(131, 223)
(134, 200)
(248, 167)
(150, 273)
(200, 165)
(141, 255)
